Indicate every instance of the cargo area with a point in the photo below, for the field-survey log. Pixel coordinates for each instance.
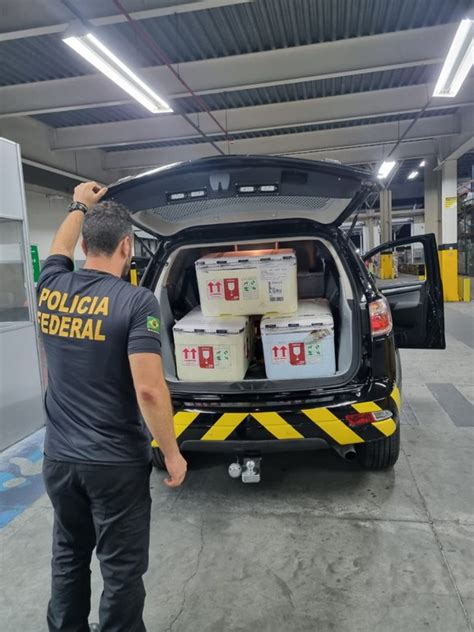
(320, 275)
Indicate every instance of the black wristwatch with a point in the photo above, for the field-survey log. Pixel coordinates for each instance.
(77, 206)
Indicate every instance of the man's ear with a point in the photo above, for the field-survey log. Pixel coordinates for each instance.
(84, 247)
(126, 247)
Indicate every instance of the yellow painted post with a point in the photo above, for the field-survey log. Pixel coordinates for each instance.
(386, 265)
(464, 289)
(448, 262)
(133, 274)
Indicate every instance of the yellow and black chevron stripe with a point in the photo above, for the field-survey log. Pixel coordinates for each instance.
(309, 423)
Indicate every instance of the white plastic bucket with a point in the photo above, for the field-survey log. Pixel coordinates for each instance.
(300, 345)
(212, 349)
(247, 283)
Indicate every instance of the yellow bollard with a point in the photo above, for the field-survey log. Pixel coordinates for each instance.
(386, 266)
(464, 289)
(448, 261)
(133, 275)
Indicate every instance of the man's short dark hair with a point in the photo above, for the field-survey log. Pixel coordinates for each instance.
(105, 225)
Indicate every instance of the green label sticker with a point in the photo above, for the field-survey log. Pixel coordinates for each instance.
(153, 324)
(222, 357)
(250, 288)
(313, 352)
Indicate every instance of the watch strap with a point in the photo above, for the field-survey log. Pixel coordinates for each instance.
(77, 206)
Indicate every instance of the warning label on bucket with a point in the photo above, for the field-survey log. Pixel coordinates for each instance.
(189, 356)
(206, 357)
(231, 289)
(294, 353)
(297, 353)
(215, 289)
(279, 354)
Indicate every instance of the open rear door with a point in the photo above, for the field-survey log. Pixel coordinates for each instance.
(407, 272)
(228, 190)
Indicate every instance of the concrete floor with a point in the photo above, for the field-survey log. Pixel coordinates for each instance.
(318, 545)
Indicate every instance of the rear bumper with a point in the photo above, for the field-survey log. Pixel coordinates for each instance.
(295, 428)
(263, 446)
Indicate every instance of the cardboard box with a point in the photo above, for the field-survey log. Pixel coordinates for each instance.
(248, 282)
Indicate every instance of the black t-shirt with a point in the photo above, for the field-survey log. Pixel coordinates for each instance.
(90, 322)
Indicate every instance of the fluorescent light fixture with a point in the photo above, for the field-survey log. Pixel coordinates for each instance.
(412, 175)
(198, 194)
(93, 51)
(458, 62)
(422, 163)
(385, 168)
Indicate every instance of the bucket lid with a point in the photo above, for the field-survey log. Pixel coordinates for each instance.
(196, 322)
(244, 256)
(310, 313)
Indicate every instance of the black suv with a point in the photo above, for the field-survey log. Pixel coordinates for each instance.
(244, 202)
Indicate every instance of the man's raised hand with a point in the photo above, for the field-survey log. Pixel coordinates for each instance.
(89, 193)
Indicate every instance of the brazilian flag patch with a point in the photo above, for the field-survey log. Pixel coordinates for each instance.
(153, 324)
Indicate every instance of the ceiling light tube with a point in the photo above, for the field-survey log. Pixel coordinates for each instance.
(385, 168)
(412, 175)
(422, 163)
(93, 51)
(458, 62)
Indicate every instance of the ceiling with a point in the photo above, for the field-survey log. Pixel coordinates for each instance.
(342, 79)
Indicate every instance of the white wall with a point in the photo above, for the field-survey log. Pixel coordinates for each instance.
(46, 210)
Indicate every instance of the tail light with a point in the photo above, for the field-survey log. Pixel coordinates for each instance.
(362, 419)
(380, 317)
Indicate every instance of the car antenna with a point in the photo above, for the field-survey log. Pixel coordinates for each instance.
(351, 229)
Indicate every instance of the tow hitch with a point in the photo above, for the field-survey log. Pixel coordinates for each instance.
(249, 470)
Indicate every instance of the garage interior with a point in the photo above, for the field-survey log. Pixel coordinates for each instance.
(318, 544)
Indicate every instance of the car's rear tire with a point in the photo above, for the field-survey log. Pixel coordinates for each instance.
(381, 454)
(158, 459)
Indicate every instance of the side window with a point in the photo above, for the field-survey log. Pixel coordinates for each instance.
(407, 273)
(398, 265)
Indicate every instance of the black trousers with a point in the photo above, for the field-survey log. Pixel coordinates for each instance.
(107, 507)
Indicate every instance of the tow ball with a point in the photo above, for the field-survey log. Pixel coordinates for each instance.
(249, 470)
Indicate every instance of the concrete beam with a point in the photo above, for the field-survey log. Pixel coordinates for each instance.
(40, 23)
(33, 139)
(355, 155)
(380, 134)
(459, 147)
(374, 153)
(453, 148)
(239, 72)
(345, 107)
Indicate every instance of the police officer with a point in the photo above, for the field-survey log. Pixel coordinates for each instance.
(102, 342)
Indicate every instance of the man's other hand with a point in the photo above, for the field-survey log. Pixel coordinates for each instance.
(89, 193)
(176, 466)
